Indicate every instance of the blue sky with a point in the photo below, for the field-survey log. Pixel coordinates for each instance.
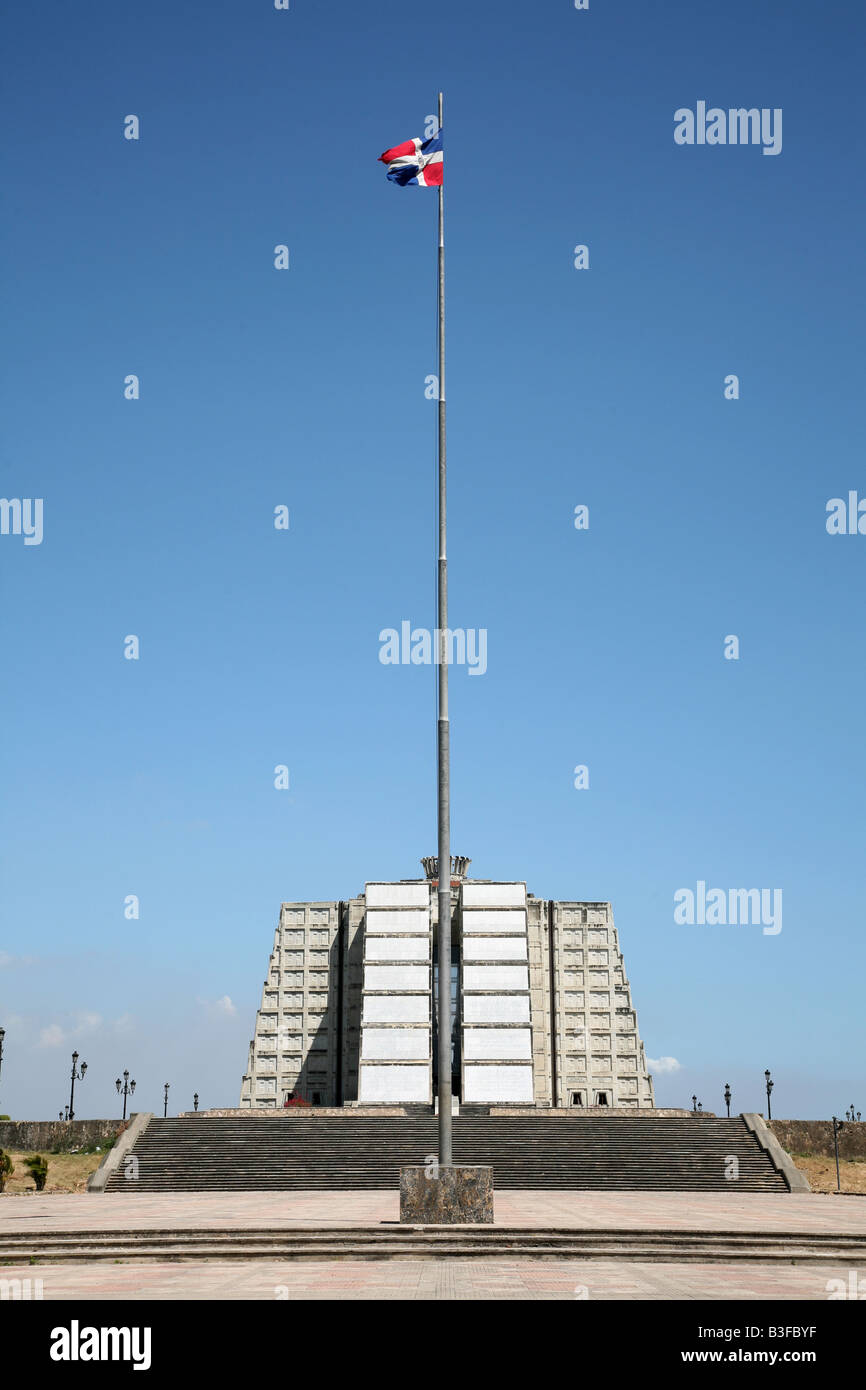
(305, 387)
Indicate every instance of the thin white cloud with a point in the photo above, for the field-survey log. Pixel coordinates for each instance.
(82, 1024)
(221, 1008)
(52, 1036)
(659, 1065)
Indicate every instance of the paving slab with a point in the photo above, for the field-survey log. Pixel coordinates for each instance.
(647, 1211)
(449, 1280)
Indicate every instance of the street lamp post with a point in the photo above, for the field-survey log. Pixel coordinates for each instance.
(2, 1036)
(77, 1075)
(695, 1105)
(770, 1084)
(125, 1090)
(838, 1126)
(728, 1098)
(195, 1101)
(165, 1106)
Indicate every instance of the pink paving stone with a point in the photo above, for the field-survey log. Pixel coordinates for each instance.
(435, 1279)
(400, 1279)
(710, 1211)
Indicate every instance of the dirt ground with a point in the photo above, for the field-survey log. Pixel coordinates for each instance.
(66, 1172)
(821, 1173)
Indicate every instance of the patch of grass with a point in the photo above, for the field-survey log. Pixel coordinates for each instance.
(66, 1173)
(101, 1148)
(821, 1172)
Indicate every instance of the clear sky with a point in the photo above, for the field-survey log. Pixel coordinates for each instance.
(306, 388)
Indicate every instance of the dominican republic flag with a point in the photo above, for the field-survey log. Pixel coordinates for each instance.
(415, 161)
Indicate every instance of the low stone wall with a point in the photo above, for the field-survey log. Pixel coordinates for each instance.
(613, 1112)
(304, 1112)
(816, 1137)
(310, 1112)
(778, 1156)
(32, 1136)
(98, 1181)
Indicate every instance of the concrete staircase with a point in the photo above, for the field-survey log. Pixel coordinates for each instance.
(346, 1152)
(425, 1242)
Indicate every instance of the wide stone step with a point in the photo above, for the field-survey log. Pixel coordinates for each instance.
(376, 1243)
(365, 1153)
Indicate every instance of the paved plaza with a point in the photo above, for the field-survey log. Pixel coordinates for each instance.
(432, 1278)
(599, 1280)
(647, 1211)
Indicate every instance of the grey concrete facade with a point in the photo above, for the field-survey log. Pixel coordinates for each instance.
(545, 1013)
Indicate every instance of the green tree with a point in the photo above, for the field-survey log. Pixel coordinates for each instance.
(6, 1167)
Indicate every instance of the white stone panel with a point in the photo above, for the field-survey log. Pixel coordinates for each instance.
(384, 921)
(494, 921)
(397, 948)
(495, 948)
(495, 977)
(483, 1084)
(393, 1008)
(494, 894)
(492, 1008)
(402, 1044)
(397, 894)
(497, 1044)
(397, 1084)
(401, 977)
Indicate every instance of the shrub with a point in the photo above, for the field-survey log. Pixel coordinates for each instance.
(38, 1170)
(6, 1168)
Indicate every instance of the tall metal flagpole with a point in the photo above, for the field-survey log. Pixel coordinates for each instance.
(443, 744)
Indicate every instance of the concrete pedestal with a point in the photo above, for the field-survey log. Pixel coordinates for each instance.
(455, 1196)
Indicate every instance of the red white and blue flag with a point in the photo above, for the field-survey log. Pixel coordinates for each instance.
(416, 161)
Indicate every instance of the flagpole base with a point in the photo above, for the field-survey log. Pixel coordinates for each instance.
(455, 1196)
